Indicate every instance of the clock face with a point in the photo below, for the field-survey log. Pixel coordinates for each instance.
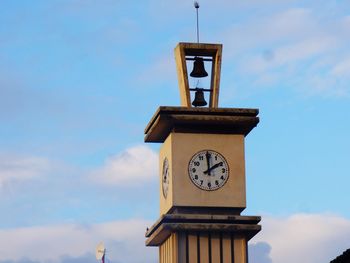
(208, 170)
(165, 177)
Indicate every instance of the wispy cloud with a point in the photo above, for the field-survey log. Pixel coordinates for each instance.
(282, 45)
(342, 68)
(163, 70)
(133, 166)
(50, 190)
(124, 241)
(305, 238)
(291, 46)
(287, 55)
(18, 169)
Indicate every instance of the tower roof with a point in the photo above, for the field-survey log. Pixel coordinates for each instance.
(200, 120)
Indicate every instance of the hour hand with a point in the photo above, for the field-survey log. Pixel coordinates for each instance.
(213, 167)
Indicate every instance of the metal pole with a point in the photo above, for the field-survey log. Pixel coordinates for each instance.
(196, 5)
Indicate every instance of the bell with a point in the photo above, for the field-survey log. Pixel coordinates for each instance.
(198, 68)
(199, 99)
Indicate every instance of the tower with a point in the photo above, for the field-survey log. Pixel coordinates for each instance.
(202, 169)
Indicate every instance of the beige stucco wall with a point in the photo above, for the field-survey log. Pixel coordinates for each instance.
(179, 149)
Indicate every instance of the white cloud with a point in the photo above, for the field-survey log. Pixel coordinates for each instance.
(305, 238)
(124, 242)
(19, 169)
(289, 36)
(274, 30)
(133, 166)
(275, 46)
(259, 253)
(163, 70)
(342, 69)
(288, 54)
(289, 46)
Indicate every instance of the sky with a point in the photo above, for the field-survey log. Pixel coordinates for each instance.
(80, 79)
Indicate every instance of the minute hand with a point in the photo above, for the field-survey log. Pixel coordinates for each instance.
(213, 167)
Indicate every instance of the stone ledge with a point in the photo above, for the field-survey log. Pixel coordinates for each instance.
(167, 224)
(200, 120)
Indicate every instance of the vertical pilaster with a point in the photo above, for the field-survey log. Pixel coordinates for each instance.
(192, 248)
(168, 251)
(184, 247)
(226, 249)
(204, 247)
(240, 250)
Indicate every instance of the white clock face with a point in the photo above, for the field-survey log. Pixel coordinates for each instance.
(208, 170)
(165, 177)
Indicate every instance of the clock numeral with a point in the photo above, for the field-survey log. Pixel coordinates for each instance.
(222, 177)
(216, 182)
(196, 163)
(223, 170)
(194, 170)
(216, 157)
(201, 158)
(196, 176)
(201, 182)
(209, 184)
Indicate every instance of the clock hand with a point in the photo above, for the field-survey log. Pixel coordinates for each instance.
(207, 155)
(212, 168)
(165, 175)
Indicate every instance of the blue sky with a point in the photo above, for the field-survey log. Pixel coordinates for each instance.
(79, 81)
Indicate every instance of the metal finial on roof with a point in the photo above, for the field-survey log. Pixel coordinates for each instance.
(196, 5)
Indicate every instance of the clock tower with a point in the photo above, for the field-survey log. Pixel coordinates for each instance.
(201, 168)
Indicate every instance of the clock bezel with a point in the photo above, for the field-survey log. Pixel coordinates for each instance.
(224, 160)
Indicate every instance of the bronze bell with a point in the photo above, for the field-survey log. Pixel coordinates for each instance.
(199, 99)
(198, 68)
